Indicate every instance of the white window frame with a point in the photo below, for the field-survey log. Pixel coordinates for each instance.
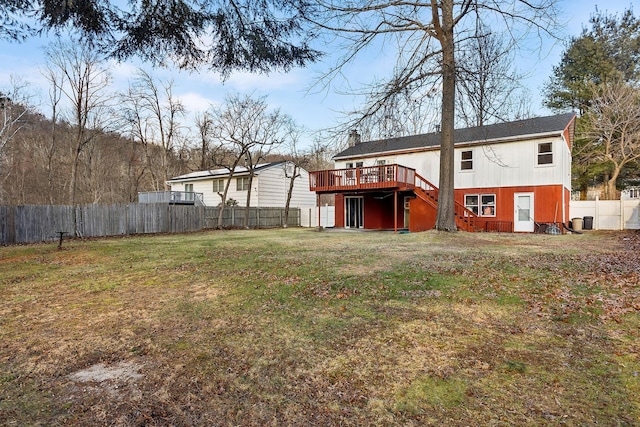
(242, 183)
(464, 161)
(473, 207)
(218, 185)
(487, 208)
(482, 204)
(544, 154)
(188, 188)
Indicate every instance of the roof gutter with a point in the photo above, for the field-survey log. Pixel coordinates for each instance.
(217, 176)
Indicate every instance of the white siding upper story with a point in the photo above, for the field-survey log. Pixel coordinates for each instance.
(504, 164)
(274, 186)
(269, 186)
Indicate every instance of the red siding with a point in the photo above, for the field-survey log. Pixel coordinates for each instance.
(547, 201)
(422, 216)
(378, 213)
(339, 211)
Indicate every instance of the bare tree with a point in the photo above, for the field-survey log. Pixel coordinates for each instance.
(428, 36)
(204, 125)
(488, 85)
(612, 127)
(56, 82)
(83, 82)
(410, 112)
(245, 131)
(155, 116)
(296, 159)
(15, 105)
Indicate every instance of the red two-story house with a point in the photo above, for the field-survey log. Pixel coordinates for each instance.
(512, 176)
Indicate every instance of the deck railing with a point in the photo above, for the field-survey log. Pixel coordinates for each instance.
(362, 178)
(386, 177)
(172, 197)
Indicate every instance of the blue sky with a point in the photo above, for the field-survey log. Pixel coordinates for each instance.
(316, 109)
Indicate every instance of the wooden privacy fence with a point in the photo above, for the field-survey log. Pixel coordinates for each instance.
(37, 223)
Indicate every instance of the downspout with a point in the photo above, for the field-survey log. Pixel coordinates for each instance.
(564, 177)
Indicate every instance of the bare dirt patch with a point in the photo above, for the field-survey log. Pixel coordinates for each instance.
(122, 372)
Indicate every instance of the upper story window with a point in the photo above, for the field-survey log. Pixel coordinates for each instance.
(188, 188)
(242, 183)
(545, 153)
(359, 164)
(381, 162)
(466, 162)
(218, 185)
(349, 165)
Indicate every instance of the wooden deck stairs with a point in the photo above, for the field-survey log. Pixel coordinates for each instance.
(465, 219)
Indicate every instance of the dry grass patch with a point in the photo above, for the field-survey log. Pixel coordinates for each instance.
(293, 327)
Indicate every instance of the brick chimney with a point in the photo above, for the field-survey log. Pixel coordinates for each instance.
(354, 138)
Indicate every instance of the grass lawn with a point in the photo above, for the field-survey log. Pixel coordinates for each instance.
(294, 327)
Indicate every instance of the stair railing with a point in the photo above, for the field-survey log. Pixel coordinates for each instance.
(464, 217)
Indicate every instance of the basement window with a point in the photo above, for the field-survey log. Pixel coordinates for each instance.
(488, 204)
(545, 153)
(481, 204)
(466, 162)
(471, 202)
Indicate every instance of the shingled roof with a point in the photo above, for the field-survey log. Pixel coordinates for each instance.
(491, 133)
(218, 173)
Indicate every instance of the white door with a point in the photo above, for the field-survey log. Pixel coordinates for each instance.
(523, 212)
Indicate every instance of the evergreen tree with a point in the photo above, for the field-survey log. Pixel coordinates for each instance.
(610, 49)
(224, 35)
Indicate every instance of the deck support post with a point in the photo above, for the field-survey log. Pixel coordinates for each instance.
(319, 209)
(395, 211)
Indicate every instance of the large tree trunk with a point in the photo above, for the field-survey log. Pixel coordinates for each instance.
(446, 220)
(611, 190)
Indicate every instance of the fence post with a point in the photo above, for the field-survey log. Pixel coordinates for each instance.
(11, 227)
(596, 220)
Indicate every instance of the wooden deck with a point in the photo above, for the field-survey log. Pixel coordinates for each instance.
(171, 197)
(383, 177)
(388, 178)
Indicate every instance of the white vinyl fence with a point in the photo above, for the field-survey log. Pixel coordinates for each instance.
(309, 216)
(608, 214)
